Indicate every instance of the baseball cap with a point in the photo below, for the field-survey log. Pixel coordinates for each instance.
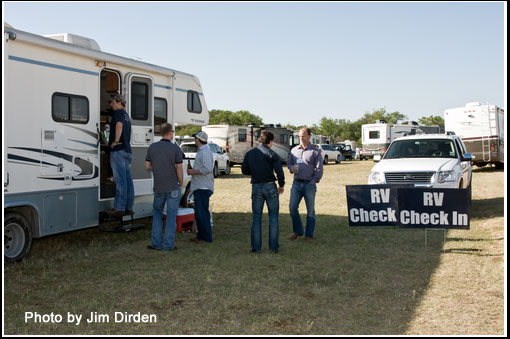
(202, 136)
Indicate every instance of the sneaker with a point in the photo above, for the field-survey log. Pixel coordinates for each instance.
(294, 236)
(196, 240)
(149, 247)
(308, 239)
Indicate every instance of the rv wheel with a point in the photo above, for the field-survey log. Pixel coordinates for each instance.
(17, 237)
(325, 160)
(338, 160)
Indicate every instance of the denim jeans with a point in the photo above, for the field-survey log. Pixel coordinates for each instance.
(120, 162)
(261, 193)
(171, 199)
(299, 190)
(202, 215)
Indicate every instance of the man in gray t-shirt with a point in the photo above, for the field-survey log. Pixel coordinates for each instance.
(164, 158)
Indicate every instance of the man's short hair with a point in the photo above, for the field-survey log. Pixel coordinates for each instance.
(308, 130)
(266, 137)
(166, 128)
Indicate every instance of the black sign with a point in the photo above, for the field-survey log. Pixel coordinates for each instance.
(407, 207)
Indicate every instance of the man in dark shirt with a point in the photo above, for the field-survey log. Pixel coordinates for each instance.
(121, 157)
(261, 162)
(164, 159)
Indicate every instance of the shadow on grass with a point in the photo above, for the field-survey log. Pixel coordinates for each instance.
(347, 281)
(487, 208)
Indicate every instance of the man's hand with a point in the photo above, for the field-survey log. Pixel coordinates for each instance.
(280, 190)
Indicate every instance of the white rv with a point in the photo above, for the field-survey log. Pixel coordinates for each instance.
(375, 138)
(57, 175)
(238, 140)
(482, 129)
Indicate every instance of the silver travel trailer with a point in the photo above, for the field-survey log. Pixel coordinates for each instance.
(238, 140)
(57, 175)
(482, 129)
(375, 138)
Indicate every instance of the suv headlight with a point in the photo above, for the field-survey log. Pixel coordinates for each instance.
(376, 178)
(445, 176)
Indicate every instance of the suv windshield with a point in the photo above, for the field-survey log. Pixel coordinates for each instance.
(189, 148)
(427, 148)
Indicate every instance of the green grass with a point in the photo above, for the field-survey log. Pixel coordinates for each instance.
(348, 281)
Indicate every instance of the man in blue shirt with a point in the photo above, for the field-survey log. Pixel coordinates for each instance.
(261, 162)
(121, 157)
(305, 162)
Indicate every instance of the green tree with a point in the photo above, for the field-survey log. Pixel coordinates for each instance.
(432, 120)
(217, 117)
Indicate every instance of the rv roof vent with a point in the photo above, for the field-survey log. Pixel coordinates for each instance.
(472, 104)
(76, 40)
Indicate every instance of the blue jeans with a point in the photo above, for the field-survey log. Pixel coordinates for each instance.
(124, 189)
(202, 215)
(269, 194)
(172, 200)
(299, 190)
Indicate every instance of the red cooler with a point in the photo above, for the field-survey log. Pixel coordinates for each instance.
(185, 218)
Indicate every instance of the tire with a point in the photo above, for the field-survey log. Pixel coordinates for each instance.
(187, 199)
(227, 169)
(17, 237)
(216, 171)
(338, 160)
(325, 160)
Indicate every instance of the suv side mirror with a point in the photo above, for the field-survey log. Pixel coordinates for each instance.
(467, 157)
(224, 151)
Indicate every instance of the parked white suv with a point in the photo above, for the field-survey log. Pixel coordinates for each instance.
(221, 160)
(329, 153)
(425, 160)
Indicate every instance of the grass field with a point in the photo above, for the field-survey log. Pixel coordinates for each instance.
(348, 281)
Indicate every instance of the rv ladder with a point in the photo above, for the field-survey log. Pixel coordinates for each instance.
(488, 126)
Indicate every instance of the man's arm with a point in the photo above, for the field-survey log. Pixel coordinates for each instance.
(180, 174)
(148, 165)
(118, 133)
(245, 167)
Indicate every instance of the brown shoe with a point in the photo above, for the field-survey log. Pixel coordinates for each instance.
(293, 236)
(196, 240)
(308, 239)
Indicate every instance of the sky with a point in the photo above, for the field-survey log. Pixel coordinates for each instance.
(296, 62)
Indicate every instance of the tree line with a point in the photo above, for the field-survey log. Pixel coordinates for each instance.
(335, 129)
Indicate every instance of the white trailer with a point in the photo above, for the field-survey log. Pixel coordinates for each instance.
(235, 140)
(238, 140)
(482, 129)
(375, 138)
(57, 175)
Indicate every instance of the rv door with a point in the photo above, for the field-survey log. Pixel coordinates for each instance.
(139, 91)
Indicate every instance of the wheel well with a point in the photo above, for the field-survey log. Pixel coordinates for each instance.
(30, 214)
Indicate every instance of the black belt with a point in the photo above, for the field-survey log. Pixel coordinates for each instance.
(301, 180)
(261, 183)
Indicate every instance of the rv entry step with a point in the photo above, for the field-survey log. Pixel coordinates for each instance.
(116, 223)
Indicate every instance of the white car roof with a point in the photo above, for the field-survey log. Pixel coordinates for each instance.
(426, 136)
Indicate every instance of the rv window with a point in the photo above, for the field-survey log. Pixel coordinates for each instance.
(374, 134)
(242, 135)
(70, 108)
(160, 114)
(284, 139)
(139, 101)
(194, 105)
